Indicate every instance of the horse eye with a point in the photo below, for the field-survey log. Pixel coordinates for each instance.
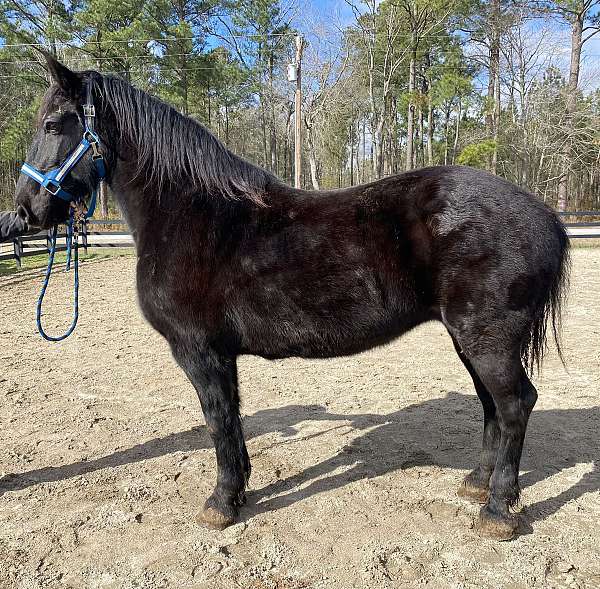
(52, 127)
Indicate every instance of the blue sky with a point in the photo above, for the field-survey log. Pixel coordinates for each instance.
(337, 12)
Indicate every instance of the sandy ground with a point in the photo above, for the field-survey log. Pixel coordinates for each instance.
(356, 461)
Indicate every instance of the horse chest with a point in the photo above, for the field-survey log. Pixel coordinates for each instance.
(172, 302)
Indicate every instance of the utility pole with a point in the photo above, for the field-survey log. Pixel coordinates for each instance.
(298, 113)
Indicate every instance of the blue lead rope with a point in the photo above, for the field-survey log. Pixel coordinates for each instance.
(72, 245)
(70, 231)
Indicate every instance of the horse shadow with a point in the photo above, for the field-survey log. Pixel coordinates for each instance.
(443, 432)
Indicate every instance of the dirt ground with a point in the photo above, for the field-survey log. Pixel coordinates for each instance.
(356, 461)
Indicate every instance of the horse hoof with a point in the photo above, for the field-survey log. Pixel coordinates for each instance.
(209, 517)
(473, 493)
(496, 528)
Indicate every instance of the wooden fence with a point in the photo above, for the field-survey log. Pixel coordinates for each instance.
(90, 237)
(579, 229)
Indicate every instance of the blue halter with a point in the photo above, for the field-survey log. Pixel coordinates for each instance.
(52, 182)
(52, 179)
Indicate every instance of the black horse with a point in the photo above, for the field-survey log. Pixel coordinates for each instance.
(233, 261)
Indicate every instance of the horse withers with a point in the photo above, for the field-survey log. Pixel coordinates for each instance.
(233, 261)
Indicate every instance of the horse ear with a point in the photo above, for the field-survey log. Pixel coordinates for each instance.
(70, 82)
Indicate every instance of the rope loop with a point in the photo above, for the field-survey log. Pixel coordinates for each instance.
(72, 246)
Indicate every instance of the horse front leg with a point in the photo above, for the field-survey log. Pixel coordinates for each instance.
(214, 377)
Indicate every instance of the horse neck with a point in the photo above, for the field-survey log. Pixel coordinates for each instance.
(129, 197)
(147, 207)
(156, 215)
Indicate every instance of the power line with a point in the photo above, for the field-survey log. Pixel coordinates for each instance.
(67, 44)
(71, 45)
(124, 56)
(90, 58)
(159, 58)
(151, 68)
(156, 69)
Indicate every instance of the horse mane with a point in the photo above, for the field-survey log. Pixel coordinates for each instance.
(174, 150)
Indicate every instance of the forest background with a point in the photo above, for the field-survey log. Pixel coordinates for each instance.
(508, 86)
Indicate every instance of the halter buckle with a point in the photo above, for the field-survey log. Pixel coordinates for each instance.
(89, 110)
(50, 185)
(90, 136)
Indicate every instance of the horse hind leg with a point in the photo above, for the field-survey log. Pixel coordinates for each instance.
(475, 486)
(514, 397)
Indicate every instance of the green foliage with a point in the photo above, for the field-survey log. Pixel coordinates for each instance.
(17, 133)
(476, 154)
(35, 20)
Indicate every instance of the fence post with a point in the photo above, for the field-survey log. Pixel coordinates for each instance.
(84, 235)
(18, 251)
(48, 240)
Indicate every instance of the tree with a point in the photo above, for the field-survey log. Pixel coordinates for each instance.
(424, 18)
(408, 83)
(326, 85)
(583, 16)
(35, 21)
(259, 32)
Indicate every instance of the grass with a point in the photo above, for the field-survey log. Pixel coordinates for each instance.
(9, 267)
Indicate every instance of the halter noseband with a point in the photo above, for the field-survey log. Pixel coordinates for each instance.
(52, 180)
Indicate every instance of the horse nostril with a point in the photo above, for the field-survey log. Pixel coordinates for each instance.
(22, 212)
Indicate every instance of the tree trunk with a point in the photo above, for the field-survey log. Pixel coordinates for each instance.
(378, 138)
(446, 134)
(364, 151)
(351, 142)
(357, 154)
(209, 104)
(421, 145)
(272, 130)
(312, 157)
(496, 135)
(411, 109)
(570, 106)
(429, 132)
(263, 128)
(288, 155)
(393, 136)
(373, 105)
(493, 93)
(103, 197)
(378, 155)
(456, 134)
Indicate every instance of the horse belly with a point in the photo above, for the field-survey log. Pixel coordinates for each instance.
(323, 322)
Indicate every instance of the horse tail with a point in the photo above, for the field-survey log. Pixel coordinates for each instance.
(549, 308)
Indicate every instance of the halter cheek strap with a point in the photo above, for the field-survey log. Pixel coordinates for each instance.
(52, 180)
